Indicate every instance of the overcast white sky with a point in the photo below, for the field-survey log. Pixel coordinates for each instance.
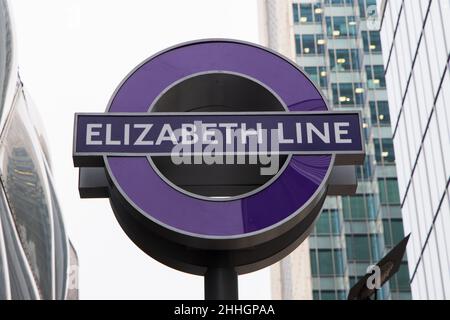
(72, 55)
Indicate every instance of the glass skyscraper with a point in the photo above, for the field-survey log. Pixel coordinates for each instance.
(37, 259)
(337, 42)
(416, 45)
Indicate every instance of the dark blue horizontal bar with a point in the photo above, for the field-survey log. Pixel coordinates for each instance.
(239, 133)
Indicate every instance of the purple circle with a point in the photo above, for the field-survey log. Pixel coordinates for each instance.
(295, 187)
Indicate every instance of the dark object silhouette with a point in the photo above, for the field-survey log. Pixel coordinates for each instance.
(389, 266)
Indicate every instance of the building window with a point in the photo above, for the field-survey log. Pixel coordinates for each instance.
(329, 295)
(341, 27)
(379, 112)
(363, 248)
(393, 232)
(298, 44)
(375, 77)
(371, 41)
(339, 2)
(318, 75)
(359, 207)
(309, 44)
(327, 262)
(323, 76)
(320, 43)
(400, 281)
(318, 11)
(316, 295)
(295, 12)
(313, 258)
(384, 150)
(307, 12)
(367, 4)
(347, 94)
(328, 223)
(344, 59)
(364, 172)
(388, 189)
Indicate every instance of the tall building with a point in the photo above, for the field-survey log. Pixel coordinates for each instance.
(337, 42)
(37, 260)
(416, 44)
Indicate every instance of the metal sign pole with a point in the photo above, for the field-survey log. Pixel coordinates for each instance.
(221, 284)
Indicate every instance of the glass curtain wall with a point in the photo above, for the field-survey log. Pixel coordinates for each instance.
(337, 42)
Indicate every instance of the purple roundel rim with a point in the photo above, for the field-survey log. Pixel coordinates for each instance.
(296, 188)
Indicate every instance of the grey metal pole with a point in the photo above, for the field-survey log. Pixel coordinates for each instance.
(221, 284)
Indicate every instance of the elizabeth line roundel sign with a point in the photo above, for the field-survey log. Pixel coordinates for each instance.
(217, 148)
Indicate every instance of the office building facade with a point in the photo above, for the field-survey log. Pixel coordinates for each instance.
(415, 36)
(337, 43)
